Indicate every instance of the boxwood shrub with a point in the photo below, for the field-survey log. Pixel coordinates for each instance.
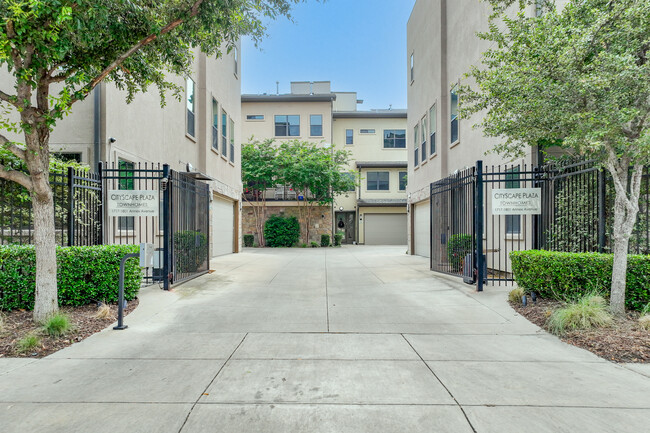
(569, 275)
(249, 240)
(281, 231)
(85, 275)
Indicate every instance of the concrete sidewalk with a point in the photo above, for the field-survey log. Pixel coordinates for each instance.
(352, 339)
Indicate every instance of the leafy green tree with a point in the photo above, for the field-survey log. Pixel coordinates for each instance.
(259, 171)
(316, 173)
(577, 77)
(57, 51)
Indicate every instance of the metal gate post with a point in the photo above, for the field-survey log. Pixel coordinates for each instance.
(602, 196)
(70, 206)
(478, 220)
(166, 187)
(100, 178)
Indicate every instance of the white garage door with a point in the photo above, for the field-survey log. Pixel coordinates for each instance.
(421, 232)
(385, 229)
(222, 227)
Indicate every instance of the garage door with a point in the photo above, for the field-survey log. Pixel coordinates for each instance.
(385, 229)
(421, 232)
(222, 227)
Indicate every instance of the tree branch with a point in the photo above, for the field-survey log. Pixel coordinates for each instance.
(12, 147)
(16, 176)
(10, 99)
(193, 11)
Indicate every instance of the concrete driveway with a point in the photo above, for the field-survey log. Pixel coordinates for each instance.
(352, 339)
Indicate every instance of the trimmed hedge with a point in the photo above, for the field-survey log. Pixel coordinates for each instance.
(249, 240)
(85, 275)
(338, 237)
(324, 240)
(568, 275)
(281, 231)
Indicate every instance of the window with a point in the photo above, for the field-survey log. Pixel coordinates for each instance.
(513, 222)
(366, 131)
(316, 125)
(416, 145)
(454, 115)
(190, 107)
(287, 126)
(394, 138)
(423, 139)
(377, 181)
(67, 156)
(353, 180)
(349, 136)
(411, 69)
(254, 117)
(402, 181)
(232, 141)
(235, 53)
(215, 125)
(432, 128)
(224, 133)
(125, 182)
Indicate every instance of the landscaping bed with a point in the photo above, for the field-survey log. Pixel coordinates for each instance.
(15, 325)
(623, 341)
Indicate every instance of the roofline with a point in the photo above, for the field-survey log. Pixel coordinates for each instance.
(325, 97)
(382, 164)
(393, 114)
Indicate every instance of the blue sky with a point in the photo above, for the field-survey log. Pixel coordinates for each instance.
(358, 45)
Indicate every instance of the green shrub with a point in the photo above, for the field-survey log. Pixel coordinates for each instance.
(457, 248)
(338, 237)
(303, 245)
(515, 295)
(191, 251)
(324, 240)
(313, 244)
(590, 311)
(249, 240)
(57, 325)
(281, 231)
(85, 275)
(570, 275)
(28, 342)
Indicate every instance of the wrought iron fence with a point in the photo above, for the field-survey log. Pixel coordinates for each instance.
(77, 209)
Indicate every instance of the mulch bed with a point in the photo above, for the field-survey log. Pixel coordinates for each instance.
(14, 325)
(624, 341)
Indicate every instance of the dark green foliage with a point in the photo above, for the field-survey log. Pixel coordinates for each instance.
(324, 240)
(313, 244)
(338, 237)
(281, 231)
(57, 325)
(191, 250)
(249, 240)
(85, 275)
(457, 248)
(570, 275)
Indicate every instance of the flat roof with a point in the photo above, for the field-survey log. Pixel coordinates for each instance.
(377, 114)
(323, 97)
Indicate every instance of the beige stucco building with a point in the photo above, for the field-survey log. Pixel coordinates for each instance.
(199, 132)
(375, 212)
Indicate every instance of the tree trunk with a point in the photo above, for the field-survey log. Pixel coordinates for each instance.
(625, 213)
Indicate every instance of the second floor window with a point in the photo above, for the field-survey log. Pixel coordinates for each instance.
(377, 181)
(416, 144)
(224, 133)
(454, 115)
(424, 138)
(215, 125)
(316, 125)
(190, 108)
(287, 126)
(394, 139)
(232, 141)
(349, 136)
(402, 181)
(432, 129)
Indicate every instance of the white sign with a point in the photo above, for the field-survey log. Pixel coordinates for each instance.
(517, 201)
(133, 203)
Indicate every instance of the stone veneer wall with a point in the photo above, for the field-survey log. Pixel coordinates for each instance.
(319, 225)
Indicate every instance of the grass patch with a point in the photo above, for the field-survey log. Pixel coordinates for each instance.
(589, 311)
(515, 295)
(644, 322)
(104, 312)
(28, 342)
(57, 325)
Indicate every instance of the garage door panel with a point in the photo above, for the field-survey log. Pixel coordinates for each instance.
(222, 227)
(385, 229)
(421, 231)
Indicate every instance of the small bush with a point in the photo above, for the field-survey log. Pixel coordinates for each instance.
(569, 275)
(57, 325)
(515, 295)
(249, 240)
(191, 248)
(457, 248)
(313, 244)
(84, 275)
(281, 231)
(590, 311)
(27, 343)
(324, 240)
(303, 245)
(338, 237)
(104, 312)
